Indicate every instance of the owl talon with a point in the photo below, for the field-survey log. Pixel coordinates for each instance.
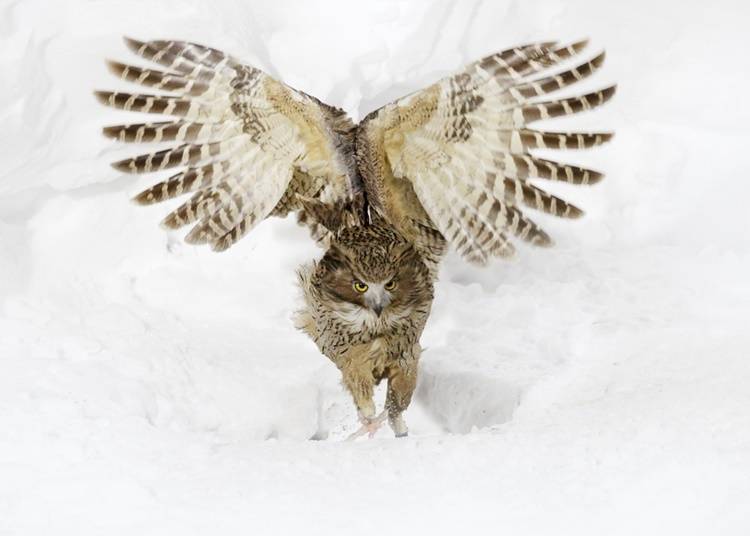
(370, 425)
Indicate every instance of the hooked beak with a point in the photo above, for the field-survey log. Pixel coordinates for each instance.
(377, 299)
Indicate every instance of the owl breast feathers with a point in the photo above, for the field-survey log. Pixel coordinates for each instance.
(448, 166)
(366, 303)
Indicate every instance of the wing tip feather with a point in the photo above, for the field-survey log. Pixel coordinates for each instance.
(595, 177)
(574, 213)
(133, 44)
(221, 244)
(543, 240)
(197, 235)
(112, 132)
(124, 166)
(598, 60)
(477, 258)
(102, 96)
(608, 92)
(169, 223)
(144, 198)
(115, 67)
(579, 45)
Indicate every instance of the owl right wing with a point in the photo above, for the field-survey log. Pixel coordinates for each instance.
(463, 146)
(248, 146)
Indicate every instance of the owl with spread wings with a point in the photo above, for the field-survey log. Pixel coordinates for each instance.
(449, 166)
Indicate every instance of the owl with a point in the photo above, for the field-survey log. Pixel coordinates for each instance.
(366, 303)
(449, 166)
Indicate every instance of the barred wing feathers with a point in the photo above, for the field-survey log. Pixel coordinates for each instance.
(463, 144)
(244, 143)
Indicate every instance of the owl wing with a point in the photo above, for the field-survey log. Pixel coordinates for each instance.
(463, 144)
(245, 144)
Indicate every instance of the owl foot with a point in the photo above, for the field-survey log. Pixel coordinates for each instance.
(398, 425)
(370, 425)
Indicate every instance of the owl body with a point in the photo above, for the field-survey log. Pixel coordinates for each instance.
(366, 303)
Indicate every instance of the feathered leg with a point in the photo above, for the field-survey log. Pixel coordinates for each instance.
(402, 381)
(356, 371)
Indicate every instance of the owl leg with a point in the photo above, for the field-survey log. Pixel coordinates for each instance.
(401, 386)
(359, 381)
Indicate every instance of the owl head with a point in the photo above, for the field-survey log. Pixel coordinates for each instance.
(370, 266)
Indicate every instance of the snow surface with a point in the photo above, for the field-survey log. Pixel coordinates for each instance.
(601, 387)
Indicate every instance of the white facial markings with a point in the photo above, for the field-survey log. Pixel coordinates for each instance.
(358, 317)
(376, 297)
(365, 319)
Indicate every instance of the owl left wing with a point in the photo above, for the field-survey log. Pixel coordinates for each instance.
(463, 144)
(247, 144)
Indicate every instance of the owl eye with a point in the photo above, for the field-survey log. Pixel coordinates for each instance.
(360, 287)
(390, 285)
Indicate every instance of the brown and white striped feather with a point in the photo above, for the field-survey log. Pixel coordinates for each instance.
(246, 142)
(451, 162)
(464, 146)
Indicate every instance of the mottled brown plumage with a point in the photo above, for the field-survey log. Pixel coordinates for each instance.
(450, 165)
(366, 304)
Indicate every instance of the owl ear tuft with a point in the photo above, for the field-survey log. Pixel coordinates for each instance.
(331, 216)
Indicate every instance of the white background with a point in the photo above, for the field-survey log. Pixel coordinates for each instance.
(600, 387)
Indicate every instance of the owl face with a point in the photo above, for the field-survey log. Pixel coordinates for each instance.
(376, 273)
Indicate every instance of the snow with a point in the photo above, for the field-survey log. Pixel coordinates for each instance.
(600, 387)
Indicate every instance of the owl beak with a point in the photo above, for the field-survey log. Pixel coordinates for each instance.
(377, 299)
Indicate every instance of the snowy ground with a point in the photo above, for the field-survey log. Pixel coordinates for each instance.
(601, 387)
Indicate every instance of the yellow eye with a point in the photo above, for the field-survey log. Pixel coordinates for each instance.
(390, 285)
(360, 287)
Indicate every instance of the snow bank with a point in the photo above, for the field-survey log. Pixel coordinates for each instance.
(601, 387)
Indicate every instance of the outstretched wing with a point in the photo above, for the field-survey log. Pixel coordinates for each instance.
(246, 144)
(462, 146)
